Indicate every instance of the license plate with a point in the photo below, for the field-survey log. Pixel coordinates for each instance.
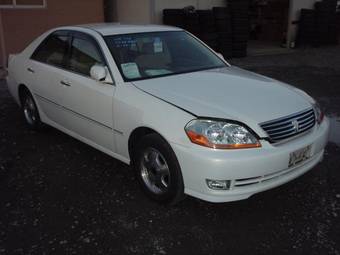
(299, 156)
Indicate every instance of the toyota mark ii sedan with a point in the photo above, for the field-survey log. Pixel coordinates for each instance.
(159, 99)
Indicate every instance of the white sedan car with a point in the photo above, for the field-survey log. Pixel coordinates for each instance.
(157, 98)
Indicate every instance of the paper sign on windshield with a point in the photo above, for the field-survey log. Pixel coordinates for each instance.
(131, 70)
(157, 45)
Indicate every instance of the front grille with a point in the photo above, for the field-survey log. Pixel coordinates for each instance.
(289, 126)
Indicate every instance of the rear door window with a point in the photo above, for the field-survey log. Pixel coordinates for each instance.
(53, 50)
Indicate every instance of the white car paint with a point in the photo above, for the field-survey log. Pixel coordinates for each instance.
(227, 93)
(105, 115)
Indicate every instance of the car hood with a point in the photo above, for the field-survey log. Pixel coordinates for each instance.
(228, 93)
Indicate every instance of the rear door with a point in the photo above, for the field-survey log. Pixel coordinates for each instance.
(45, 69)
(88, 103)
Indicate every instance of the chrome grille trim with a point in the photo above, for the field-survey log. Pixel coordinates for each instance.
(286, 119)
(307, 119)
(280, 128)
(281, 131)
(289, 126)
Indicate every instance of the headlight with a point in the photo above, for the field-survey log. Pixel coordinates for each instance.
(220, 134)
(318, 113)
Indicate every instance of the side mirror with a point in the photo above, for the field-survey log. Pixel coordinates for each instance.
(220, 55)
(101, 73)
(98, 72)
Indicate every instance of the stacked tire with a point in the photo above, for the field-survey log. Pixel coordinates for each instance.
(223, 31)
(326, 29)
(191, 22)
(183, 18)
(338, 25)
(307, 27)
(207, 28)
(319, 26)
(239, 10)
(174, 17)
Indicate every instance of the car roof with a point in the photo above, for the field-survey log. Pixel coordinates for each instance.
(118, 28)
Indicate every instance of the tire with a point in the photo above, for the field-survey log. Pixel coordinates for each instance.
(239, 53)
(206, 16)
(31, 112)
(224, 36)
(207, 28)
(193, 29)
(221, 13)
(237, 40)
(208, 36)
(239, 47)
(191, 18)
(173, 12)
(224, 26)
(174, 21)
(158, 171)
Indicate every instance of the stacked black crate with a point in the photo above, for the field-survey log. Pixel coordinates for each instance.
(223, 31)
(307, 28)
(239, 10)
(207, 28)
(326, 30)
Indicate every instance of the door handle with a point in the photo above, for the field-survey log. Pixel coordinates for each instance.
(30, 70)
(65, 83)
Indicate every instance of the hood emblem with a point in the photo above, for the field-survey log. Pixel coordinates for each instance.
(296, 126)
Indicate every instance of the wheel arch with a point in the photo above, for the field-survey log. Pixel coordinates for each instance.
(22, 90)
(136, 135)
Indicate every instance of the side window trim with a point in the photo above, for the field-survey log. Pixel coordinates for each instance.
(70, 34)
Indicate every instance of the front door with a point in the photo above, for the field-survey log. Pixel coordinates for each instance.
(88, 103)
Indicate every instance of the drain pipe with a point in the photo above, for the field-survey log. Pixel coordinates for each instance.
(2, 44)
(110, 11)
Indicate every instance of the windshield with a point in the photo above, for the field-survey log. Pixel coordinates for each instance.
(149, 55)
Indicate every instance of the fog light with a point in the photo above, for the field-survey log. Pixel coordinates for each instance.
(218, 185)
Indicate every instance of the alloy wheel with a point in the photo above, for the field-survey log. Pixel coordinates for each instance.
(155, 171)
(30, 110)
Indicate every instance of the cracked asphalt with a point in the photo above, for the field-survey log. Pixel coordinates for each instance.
(60, 196)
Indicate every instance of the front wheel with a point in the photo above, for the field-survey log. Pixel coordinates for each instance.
(158, 170)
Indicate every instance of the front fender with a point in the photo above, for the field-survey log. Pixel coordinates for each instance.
(133, 108)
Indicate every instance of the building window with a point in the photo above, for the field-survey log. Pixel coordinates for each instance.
(22, 4)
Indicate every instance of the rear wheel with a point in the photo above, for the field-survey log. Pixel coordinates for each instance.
(158, 170)
(30, 111)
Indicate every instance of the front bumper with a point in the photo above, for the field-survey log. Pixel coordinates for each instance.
(249, 170)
